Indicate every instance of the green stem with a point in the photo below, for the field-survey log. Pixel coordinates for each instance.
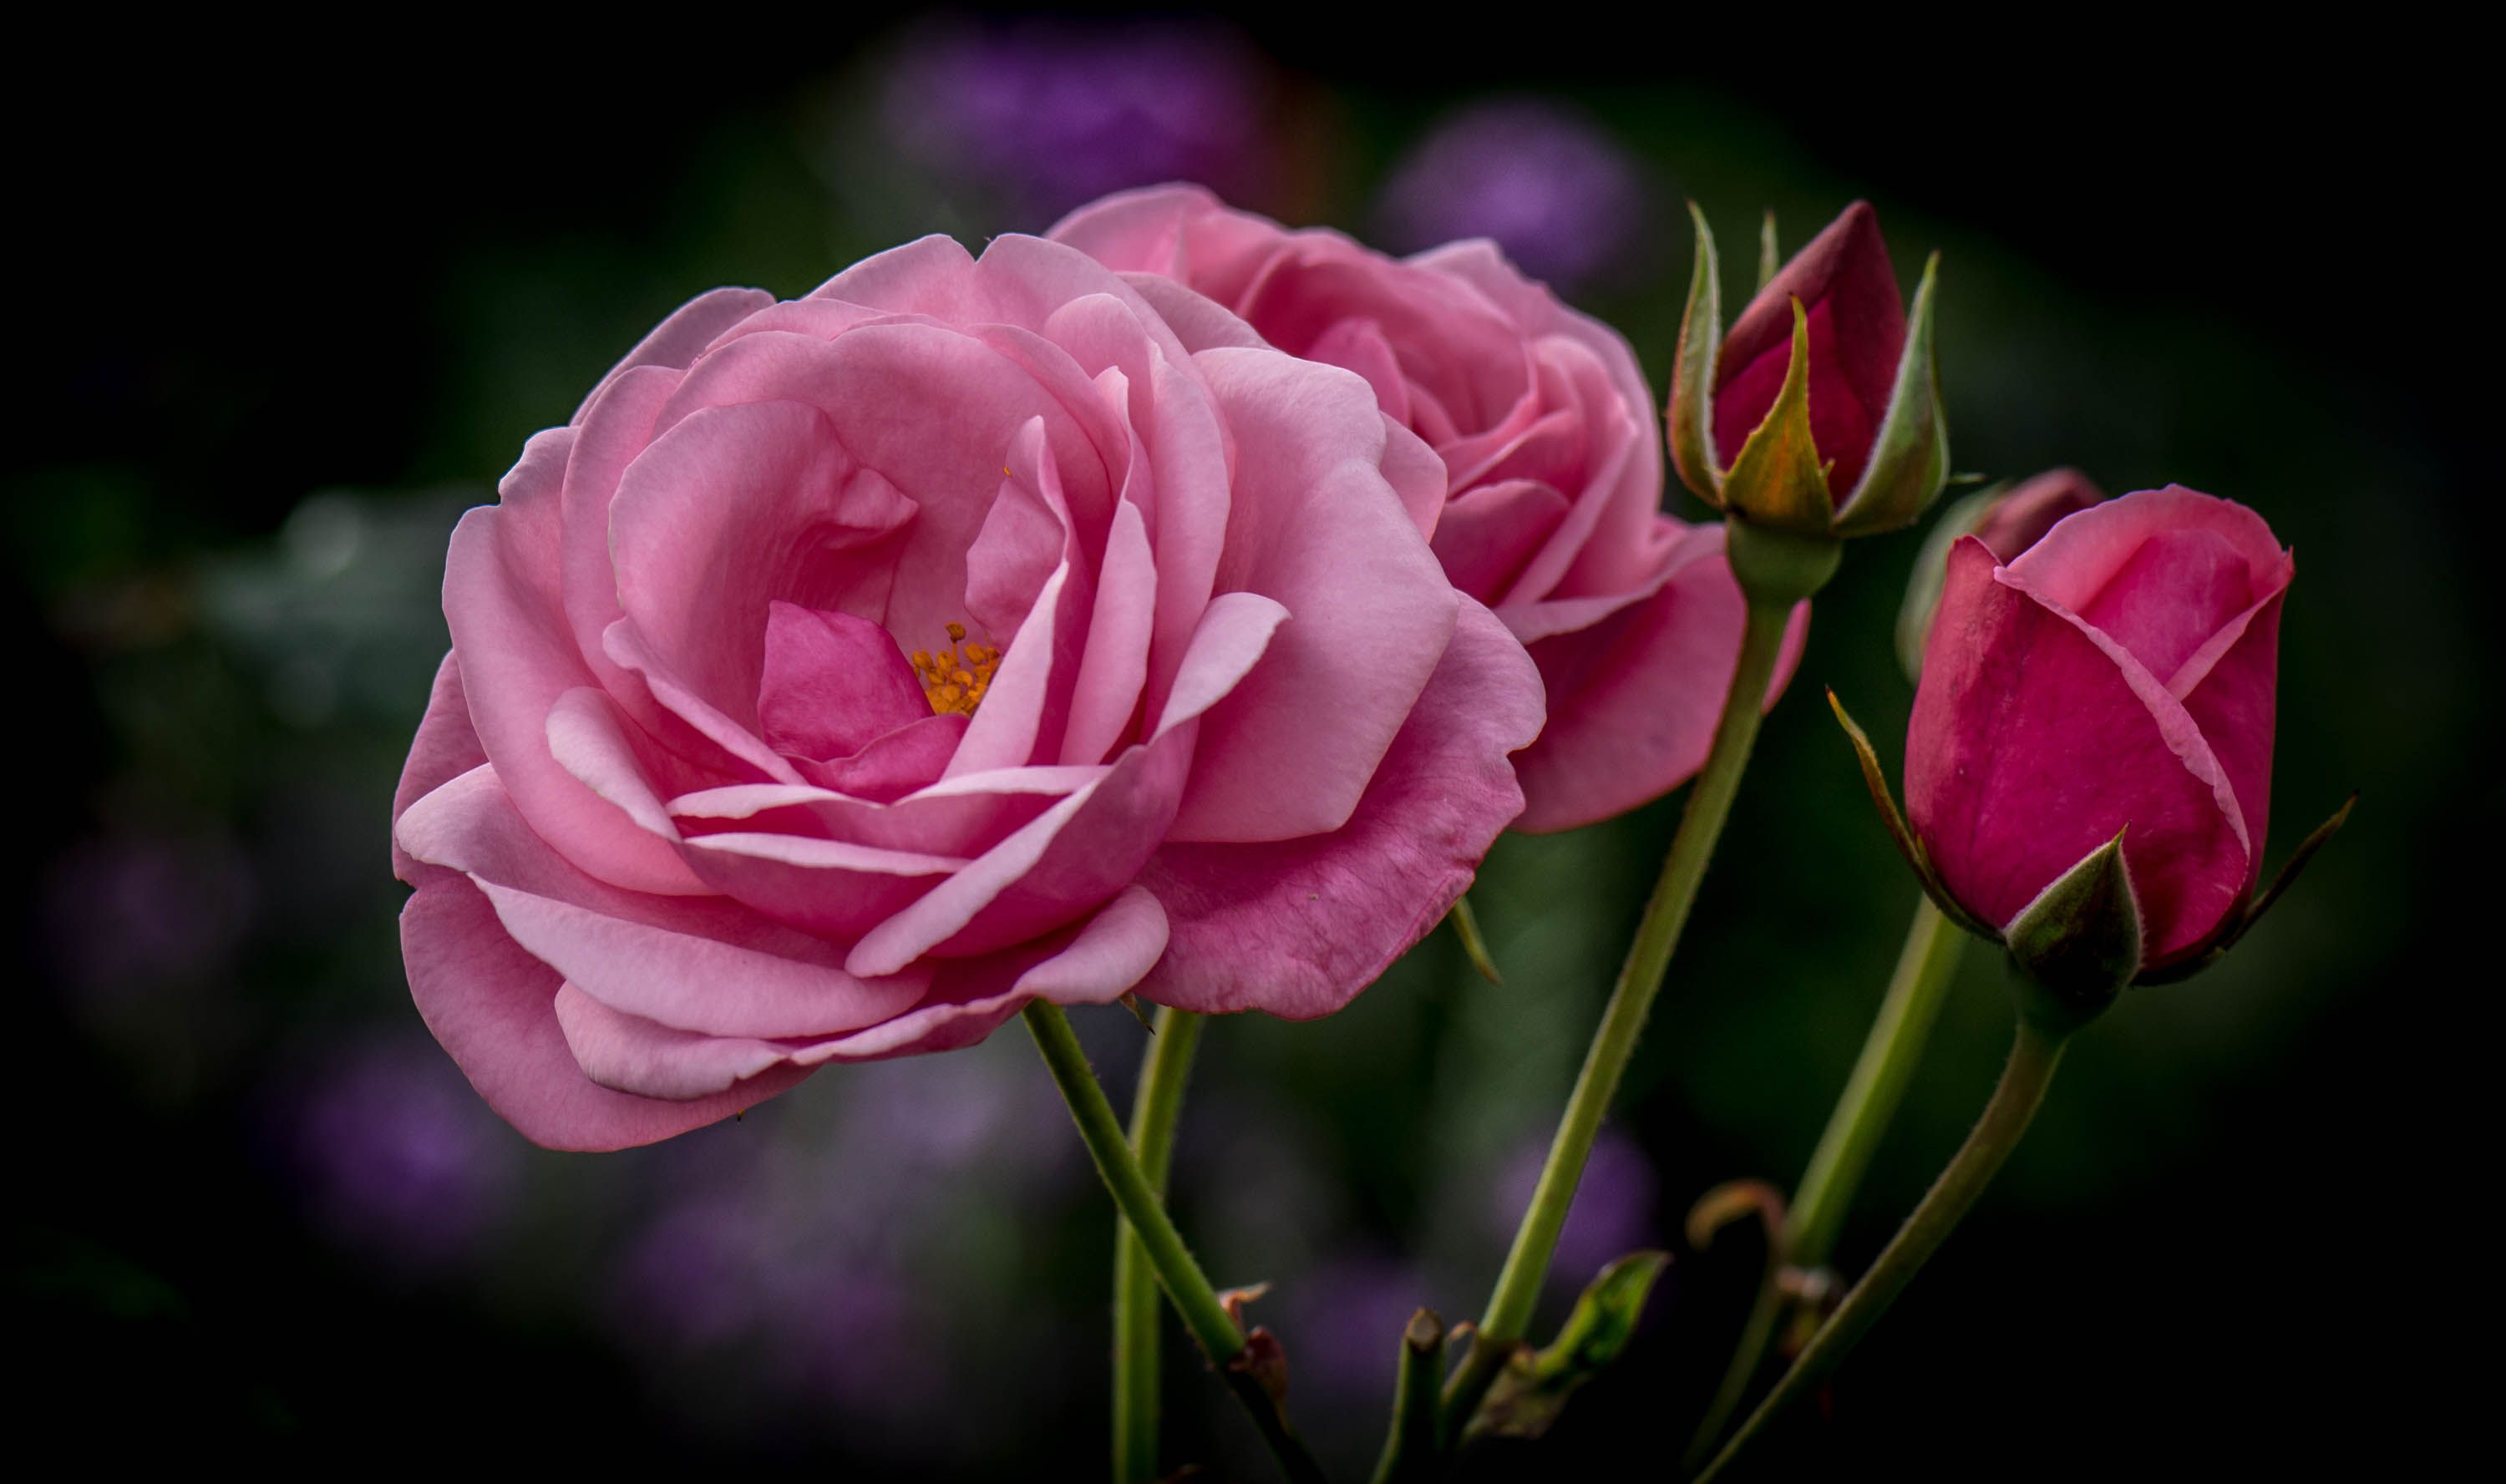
(1163, 1072)
(1916, 991)
(1410, 1448)
(1710, 803)
(1872, 1094)
(1186, 1285)
(2033, 1055)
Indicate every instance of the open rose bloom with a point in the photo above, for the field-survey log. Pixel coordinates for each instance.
(2116, 676)
(1551, 505)
(853, 670)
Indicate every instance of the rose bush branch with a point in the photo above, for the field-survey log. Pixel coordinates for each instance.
(2009, 519)
(1189, 1289)
(2087, 780)
(1508, 1315)
(1925, 968)
(1164, 1071)
(1780, 392)
(2030, 1071)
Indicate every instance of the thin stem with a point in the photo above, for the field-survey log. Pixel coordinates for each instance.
(1925, 966)
(1163, 1072)
(2033, 1055)
(1710, 803)
(1410, 1448)
(1916, 991)
(1186, 1285)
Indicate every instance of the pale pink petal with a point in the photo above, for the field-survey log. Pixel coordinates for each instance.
(445, 747)
(491, 1005)
(518, 656)
(1298, 926)
(698, 964)
(1315, 527)
(678, 340)
(1634, 696)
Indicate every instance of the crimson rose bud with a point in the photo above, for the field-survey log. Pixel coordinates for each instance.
(2114, 681)
(2009, 518)
(1819, 413)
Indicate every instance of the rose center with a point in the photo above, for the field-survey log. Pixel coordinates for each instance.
(956, 678)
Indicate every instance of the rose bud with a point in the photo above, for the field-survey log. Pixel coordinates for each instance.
(1551, 504)
(2087, 766)
(2007, 518)
(854, 671)
(1819, 413)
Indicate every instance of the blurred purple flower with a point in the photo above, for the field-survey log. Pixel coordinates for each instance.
(131, 914)
(395, 1155)
(732, 1270)
(1565, 201)
(686, 1281)
(1044, 115)
(1612, 1215)
(1342, 1327)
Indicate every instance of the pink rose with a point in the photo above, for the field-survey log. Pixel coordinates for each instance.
(1550, 512)
(853, 670)
(2008, 520)
(2118, 676)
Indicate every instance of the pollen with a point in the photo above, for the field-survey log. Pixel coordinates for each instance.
(956, 678)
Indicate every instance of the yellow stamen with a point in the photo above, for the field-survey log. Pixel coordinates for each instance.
(956, 678)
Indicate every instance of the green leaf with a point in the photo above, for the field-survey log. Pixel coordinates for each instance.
(2079, 941)
(1691, 383)
(1778, 481)
(1769, 258)
(1908, 845)
(1910, 459)
(1531, 1392)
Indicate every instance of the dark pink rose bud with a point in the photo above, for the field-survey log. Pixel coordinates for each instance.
(1857, 331)
(2114, 680)
(1819, 413)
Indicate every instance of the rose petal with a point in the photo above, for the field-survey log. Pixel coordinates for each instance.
(1315, 527)
(491, 1005)
(1298, 926)
(1634, 694)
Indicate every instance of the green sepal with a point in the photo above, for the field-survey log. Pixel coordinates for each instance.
(1770, 257)
(1932, 571)
(1691, 382)
(1777, 566)
(1533, 1390)
(1778, 479)
(1910, 459)
(2288, 871)
(1908, 845)
(2242, 923)
(2079, 942)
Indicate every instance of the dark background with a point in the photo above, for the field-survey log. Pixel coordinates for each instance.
(282, 313)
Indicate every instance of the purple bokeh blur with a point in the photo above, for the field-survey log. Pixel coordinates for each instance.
(1568, 204)
(1342, 1326)
(393, 1155)
(1613, 1214)
(1041, 116)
